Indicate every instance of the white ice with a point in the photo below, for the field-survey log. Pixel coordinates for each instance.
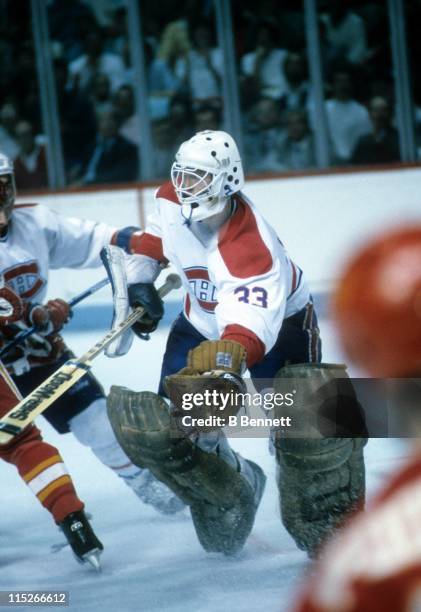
(153, 563)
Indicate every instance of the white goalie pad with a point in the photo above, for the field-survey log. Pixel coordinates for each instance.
(113, 259)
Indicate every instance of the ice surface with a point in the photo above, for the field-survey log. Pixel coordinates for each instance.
(153, 563)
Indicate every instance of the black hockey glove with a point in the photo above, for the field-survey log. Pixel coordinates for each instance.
(145, 295)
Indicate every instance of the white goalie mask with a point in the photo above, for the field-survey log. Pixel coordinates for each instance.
(206, 172)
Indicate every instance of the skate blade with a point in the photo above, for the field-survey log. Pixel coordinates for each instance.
(92, 558)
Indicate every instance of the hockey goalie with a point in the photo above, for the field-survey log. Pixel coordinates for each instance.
(247, 306)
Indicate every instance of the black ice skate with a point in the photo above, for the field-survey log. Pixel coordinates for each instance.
(84, 543)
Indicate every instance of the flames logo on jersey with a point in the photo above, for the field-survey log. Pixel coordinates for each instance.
(25, 279)
(202, 288)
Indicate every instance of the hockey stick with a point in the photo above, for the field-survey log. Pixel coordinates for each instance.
(14, 421)
(32, 330)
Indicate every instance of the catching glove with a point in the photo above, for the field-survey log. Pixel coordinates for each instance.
(214, 367)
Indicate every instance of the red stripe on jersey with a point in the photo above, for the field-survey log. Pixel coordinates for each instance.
(206, 306)
(253, 345)
(25, 205)
(241, 246)
(194, 273)
(147, 244)
(167, 192)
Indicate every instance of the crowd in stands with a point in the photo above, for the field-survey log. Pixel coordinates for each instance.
(94, 78)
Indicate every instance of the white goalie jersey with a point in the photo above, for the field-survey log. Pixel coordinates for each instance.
(239, 281)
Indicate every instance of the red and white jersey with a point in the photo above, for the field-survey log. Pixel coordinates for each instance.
(374, 564)
(239, 280)
(38, 239)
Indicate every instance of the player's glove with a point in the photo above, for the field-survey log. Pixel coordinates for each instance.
(11, 306)
(145, 295)
(215, 366)
(50, 317)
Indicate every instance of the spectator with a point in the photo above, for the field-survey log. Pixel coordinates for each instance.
(94, 60)
(296, 150)
(346, 33)
(263, 66)
(100, 95)
(347, 119)
(117, 31)
(382, 145)
(30, 164)
(6, 54)
(263, 137)
(24, 84)
(164, 147)
(114, 159)
(70, 21)
(8, 118)
(181, 118)
(174, 46)
(125, 113)
(296, 89)
(77, 123)
(201, 70)
(207, 117)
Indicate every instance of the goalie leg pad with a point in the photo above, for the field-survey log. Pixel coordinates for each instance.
(320, 478)
(318, 483)
(223, 498)
(224, 520)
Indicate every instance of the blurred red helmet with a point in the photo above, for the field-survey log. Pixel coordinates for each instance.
(377, 305)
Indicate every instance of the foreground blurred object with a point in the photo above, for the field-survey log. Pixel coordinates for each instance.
(378, 305)
(374, 564)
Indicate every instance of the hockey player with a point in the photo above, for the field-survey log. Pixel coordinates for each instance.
(33, 240)
(247, 305)
(374, 564)
(39, 464)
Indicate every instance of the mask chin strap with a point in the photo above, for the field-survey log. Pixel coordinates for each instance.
(187, 220)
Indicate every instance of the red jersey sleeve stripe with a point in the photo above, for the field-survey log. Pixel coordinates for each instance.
(148, 244)
(253, 345)
(241, 245)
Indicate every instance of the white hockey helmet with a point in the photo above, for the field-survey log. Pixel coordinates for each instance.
(206, 172)
(7, 185)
